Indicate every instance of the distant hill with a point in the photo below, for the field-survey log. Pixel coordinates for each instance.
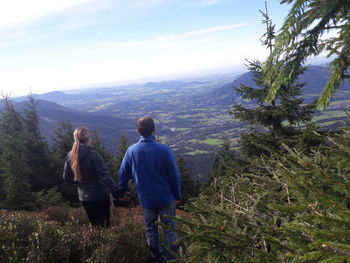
(191, 116)
(223, 94)
(109, 128)
(315, 78)
(53, 96)
(172, 95)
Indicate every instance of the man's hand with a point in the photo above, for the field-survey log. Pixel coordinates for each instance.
(126, 197)
(122, 201)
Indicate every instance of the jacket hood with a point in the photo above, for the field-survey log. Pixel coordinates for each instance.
(84, 150)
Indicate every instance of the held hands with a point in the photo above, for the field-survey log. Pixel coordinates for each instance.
(126, 197)
(122, 201)
(178, 203)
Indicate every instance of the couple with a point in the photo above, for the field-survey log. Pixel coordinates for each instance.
(150, 164)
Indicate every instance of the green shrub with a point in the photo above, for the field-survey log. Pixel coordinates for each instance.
(130, 230)
(64, 235)
(15, 229)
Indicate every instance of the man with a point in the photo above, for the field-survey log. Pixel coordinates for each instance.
(153, 168)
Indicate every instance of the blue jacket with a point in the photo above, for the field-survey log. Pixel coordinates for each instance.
(152, 166)
(95, 183)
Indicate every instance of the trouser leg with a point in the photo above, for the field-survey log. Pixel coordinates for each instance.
(169, 236)
(98, 212)
(105, 212)
(152, 235)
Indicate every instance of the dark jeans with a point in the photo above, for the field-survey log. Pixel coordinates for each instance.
(151, 215)
(98, 212)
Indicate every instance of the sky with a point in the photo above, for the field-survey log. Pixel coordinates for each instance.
(50, 45)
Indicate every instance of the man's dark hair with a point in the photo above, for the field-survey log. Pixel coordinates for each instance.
(145, 126)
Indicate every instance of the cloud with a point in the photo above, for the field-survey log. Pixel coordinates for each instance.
(125, 70)
(16, 12)
(23, 20)
(19, 12)
(215, 29)
(167, 38)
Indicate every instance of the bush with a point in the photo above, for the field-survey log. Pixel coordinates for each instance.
(15, 229)
(63, 235)
(290, 207)
(130, 230)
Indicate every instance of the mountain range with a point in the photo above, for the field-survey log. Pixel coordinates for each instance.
(191, 116)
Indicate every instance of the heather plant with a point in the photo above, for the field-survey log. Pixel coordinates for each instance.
(44, 243)
(65, 215)
(64, 235)
(15, 228)
(130, 230)
(58, 214)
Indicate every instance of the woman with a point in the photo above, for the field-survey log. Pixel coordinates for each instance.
(88, 170)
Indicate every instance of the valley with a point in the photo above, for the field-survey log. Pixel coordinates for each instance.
(192, 116)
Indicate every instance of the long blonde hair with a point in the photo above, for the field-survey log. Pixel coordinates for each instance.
(81, 135)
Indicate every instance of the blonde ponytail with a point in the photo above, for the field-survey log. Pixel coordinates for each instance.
(74, 160)
(81, 135)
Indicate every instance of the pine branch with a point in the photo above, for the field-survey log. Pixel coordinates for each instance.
(299, 39)
(336, 250)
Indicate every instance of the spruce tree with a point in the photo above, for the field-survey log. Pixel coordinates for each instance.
(122, 147)
(15, 171)
(270, 122)
(231, 221)
(121, 150)
(288, 205)
(318, 202)
(62, 139)
(302, 37)
(97, 144)
(41, 174)
(62, 144)
(40, 162)
(227, 162)
(189, 186)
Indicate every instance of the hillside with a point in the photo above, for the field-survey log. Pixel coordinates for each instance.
(109, 127)
(192, 116)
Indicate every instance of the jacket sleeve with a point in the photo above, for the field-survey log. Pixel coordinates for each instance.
(124, 173)
(104, 176)
(68, 175)
(173, 175)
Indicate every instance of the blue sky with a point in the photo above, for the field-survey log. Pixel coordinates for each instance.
(65, 44)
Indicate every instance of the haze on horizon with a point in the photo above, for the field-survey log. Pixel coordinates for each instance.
(66, 44)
